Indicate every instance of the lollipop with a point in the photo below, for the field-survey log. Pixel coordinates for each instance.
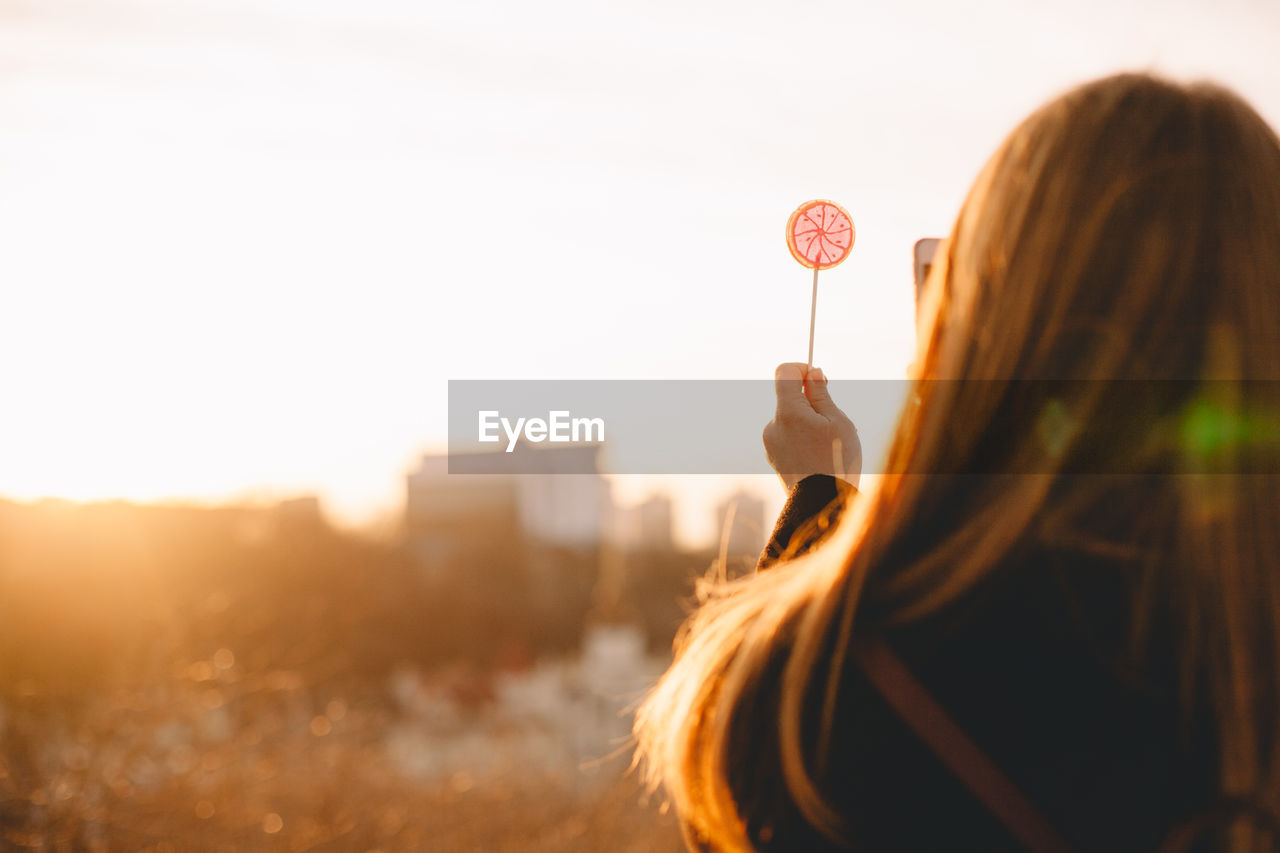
(820, 235)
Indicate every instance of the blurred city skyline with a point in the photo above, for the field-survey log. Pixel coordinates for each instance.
(247, 243)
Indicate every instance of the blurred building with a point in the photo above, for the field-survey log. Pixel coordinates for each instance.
(647, 526)
(507, 506)
(520, 548)
(301, 514)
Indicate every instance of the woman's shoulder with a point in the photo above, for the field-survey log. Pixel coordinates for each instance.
(1041, 668)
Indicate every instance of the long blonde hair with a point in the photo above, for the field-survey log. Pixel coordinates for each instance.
(1129, 229)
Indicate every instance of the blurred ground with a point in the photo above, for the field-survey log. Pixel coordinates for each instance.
(230, 679)
(224, 763)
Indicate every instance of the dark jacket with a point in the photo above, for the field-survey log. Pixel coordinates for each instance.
(1029, 669)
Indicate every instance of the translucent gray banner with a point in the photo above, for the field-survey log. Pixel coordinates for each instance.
(686, 426)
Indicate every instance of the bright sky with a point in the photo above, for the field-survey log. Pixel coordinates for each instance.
(245, 244)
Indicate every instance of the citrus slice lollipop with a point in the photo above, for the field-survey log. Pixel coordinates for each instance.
(820, 234)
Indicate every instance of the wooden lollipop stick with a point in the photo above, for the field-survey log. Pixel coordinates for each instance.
(813, 313)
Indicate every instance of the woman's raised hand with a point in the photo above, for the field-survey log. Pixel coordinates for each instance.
(809, 434)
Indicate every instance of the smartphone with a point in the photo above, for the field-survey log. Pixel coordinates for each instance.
(923, 253)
